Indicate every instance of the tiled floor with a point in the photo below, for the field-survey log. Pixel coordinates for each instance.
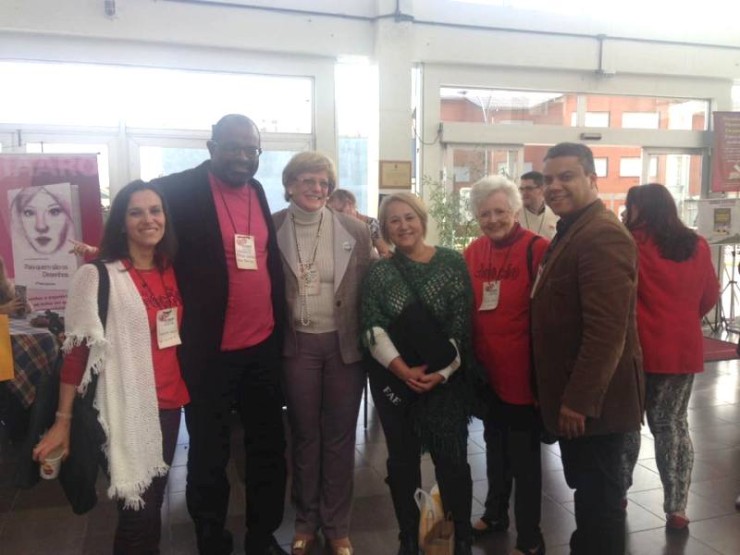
(39, 521)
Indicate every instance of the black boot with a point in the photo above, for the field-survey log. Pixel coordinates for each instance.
(403, 481)
(408, 543)
(463, 546)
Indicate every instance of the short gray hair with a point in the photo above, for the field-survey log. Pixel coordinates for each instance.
(490, 184)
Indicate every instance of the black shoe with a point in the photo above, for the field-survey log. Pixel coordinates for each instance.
(463, 546)
(223, 545)
(539, 550)
(492, 525)
(409, 544)
(253, 547)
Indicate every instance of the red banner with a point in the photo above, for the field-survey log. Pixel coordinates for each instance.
(47, 200)
(726, 155)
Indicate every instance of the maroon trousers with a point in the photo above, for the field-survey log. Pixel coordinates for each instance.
(323, 396)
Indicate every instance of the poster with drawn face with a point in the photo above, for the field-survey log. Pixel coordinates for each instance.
(46, 200)
(42, 223)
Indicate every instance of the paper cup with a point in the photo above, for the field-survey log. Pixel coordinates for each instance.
(49, 468)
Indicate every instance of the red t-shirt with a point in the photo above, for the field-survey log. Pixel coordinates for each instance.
(158, 291)
(501, 336)
(249, 318)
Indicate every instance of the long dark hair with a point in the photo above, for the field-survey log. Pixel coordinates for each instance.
(655, 211)
(114, 245)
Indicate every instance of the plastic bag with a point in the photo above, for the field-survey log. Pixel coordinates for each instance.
(430, 509)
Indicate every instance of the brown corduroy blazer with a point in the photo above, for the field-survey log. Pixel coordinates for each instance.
(584, 333)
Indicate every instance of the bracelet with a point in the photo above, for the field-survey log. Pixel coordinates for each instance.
(64, 415)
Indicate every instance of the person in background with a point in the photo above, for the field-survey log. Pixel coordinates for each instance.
(420, 411)
(587, 358)
(344, 201)
(231, 279)
(536, 216)
(82, 249)
(502, 264)
(140, 388)
(677, 286)
(325, 256)
(10, 303)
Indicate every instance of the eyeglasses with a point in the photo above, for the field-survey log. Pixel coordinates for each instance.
(310, 182)
(234, 149)
(528, 188)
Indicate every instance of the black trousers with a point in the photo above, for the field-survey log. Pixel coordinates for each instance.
(247, 379)
(404, 469)
(592, 466)
(138, 532)
(512, 434)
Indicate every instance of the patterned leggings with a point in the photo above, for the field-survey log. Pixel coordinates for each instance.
(667, 402)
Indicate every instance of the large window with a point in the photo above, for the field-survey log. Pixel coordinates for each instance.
(357, 122)
(103, 96)
(504, 107)
(146, 122)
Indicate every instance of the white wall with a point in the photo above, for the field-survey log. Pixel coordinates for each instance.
(671, 52)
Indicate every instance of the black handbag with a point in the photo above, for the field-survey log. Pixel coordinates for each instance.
(79, 472)
(419, 339)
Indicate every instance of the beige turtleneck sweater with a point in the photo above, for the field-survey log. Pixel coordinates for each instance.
(320, 307)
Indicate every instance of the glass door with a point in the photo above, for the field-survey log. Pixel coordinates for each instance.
(154, 157)
(681, 172)
(464, 165)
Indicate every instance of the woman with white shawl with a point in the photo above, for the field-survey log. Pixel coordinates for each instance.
(140, 389)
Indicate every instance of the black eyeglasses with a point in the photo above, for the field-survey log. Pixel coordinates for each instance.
(234, 149)
(528, 188)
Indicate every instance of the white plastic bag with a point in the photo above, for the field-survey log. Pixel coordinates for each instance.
(430, 507)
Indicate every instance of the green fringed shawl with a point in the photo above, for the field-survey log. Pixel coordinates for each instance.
(441, 416)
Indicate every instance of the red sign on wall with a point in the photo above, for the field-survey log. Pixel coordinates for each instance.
(726, 155)
(46, 200)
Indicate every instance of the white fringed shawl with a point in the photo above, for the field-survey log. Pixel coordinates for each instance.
(126, 394)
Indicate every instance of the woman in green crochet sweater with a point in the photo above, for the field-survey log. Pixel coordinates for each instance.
(423, 395)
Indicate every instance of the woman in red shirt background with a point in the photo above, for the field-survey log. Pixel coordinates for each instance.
(677, 286)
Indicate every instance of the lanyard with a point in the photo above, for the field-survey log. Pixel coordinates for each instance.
(315, 246)
(231, 218)
(306, 269)
(167, 290)
(490, 260)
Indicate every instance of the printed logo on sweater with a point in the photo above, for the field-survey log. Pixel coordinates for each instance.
(491, 273)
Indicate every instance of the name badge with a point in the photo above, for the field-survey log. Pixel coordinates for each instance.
(246, 254)
(309, 280)
(491, 293)
(167, 333)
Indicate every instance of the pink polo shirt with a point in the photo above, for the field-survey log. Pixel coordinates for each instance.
(249, 318)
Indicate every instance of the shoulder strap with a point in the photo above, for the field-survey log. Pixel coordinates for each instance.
(530, 257)
(103, 298)
(103, 290)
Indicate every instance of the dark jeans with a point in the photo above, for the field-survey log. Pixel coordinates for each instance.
(593, 467)
(249, 380)
(404, 470)
(512, 434)
(138, 532)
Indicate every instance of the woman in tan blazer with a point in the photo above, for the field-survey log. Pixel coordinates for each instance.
(325, 256)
